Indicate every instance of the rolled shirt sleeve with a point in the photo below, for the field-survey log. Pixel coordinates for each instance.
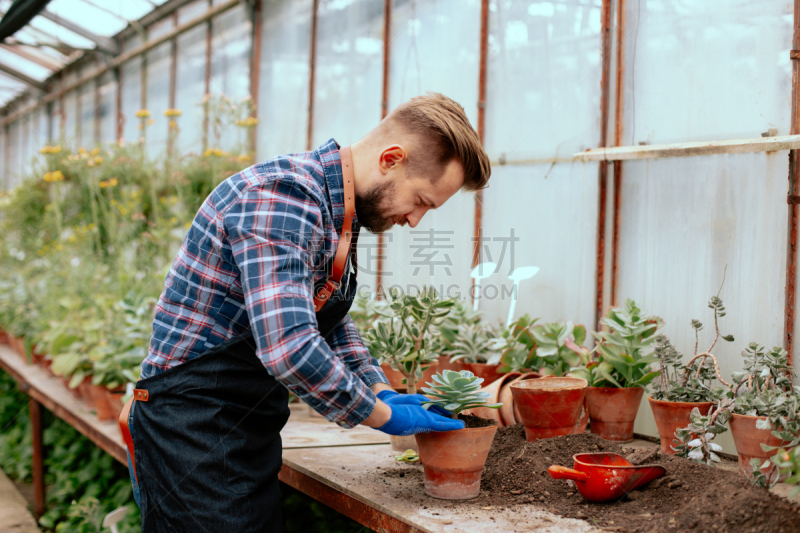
(273, 229)
(346, 343)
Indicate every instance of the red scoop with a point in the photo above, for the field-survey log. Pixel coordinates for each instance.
(601, 477)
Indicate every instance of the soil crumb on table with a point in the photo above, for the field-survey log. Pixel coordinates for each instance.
(690, 497)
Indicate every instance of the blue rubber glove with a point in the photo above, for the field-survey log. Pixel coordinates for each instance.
(391, 398)
(409, 419)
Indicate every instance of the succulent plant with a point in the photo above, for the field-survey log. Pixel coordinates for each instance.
(474, 344)
(457, 391)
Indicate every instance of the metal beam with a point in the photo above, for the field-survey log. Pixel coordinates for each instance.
(104, 44)
(39, 60)
(24, 78)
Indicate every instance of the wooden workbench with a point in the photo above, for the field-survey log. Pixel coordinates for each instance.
(341, 468)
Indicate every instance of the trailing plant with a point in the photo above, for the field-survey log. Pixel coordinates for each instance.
(694, 441)
(456, 392)
(788, 465)
(624, 351)
(407, 334)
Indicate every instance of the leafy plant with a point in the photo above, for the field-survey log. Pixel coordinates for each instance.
(624, 355)
(694, 441)
(517, 345)
(474, 344)
(406, 336)
(788, 465)
(558, 347)
(456, 392)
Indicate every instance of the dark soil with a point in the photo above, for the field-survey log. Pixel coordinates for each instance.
(472, 421)
(691, 497)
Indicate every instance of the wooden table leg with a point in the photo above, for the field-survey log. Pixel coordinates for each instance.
(35, 410)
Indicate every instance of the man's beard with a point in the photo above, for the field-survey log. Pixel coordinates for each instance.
(370, 208)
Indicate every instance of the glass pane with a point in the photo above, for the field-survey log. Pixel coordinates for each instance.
(283, 86)
(87, 105)
(108, 107)
(230, 67)
(190, 87)
(71, 119)
(435, 47)
(159, 61)
(689, 65)
(532, 201)
(349, 72)
(24, 146)
(12, 162)
(3, 185)
(131, 72)
(192, 10)
(437, 252)
(543, 86)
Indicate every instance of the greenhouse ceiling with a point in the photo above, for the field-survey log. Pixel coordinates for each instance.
(60, 34)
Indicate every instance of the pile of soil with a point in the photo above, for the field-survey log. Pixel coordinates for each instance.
(691, 496)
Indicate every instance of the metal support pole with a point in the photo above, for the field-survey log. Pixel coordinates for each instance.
(207, 81)
(484, 51)
(35, 412)
(602, 178)
(387, 41)
(794, 174)
(173, 82)
(617, 142)
(312, 60)
(255, 67)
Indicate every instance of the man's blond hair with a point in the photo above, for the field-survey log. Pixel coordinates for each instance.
(444, 133)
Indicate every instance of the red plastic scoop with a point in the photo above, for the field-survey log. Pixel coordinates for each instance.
(602, 477)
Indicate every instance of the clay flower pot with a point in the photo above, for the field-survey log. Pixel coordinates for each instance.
(85, 392)
(101, 405)
(396, 378)
(489, 373)
(748, 439)
(18, 345)
(495, 389)
(454, 460)
(76, 392)
(549, 407)
(612, 411)
(672, 416)
(509, 412)
(114, 400)
(445, 364)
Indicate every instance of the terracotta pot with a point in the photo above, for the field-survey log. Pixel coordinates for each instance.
(3, 336)
(494, 390)
(671, 416)
(509, 412)
(396, 378)
(612, 411)
(748, 439)
(489, 373)
(453, 461)
(445, 364)
(101, 405)
(549, 407)
(76, 392)
(403, 443)
(85, 390)
(114, 399)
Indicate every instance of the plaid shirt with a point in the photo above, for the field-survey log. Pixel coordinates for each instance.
(255, 249)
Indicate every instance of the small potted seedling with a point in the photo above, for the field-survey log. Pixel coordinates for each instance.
(473, 347)
(617, 379)
(406, 341)
(454, 460)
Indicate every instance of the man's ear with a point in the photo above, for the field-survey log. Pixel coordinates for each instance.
(391, 157)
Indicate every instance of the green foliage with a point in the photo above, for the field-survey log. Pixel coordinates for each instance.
(788, 464)
(474, 343)
(694, 441)
(680, 383)
(624, 354)
(517, 345)
(457, 391)
(407, 334)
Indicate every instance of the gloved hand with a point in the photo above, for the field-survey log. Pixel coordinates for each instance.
(393, 398)
(409, 419)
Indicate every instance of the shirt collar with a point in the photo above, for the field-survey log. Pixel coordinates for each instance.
(332, 167)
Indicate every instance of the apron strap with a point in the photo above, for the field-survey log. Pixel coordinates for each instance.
(345, 237)
(140, 395)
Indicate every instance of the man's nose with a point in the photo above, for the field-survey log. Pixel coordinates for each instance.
(416, 215)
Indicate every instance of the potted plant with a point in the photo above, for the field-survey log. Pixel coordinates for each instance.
(405, 340)
(462, 316)
(454, 460)
(617, 379)
(765, 411)
(682, 388)
(473, 347)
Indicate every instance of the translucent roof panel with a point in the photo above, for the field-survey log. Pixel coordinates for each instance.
(103, 17)
(29, 68)
(9, 88)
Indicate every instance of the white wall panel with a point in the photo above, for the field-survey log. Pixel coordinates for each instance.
(706, 70)
(349, 73)
(131, 85)
(12, 162)
(70, 119)
(436, 47)
(190, 87)
(85, 134)
(553, 212)
(283, 86)
(108, 108)
(682, 221)
(543, 84)
(158, 68)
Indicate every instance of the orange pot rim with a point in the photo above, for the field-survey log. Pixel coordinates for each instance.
(487, 428)
(541, 384)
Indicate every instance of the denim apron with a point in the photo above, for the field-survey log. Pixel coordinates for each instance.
(207, 440)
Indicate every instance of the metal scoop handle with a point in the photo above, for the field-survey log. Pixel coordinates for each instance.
(562, 472)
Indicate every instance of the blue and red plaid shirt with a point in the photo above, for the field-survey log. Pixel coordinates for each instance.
(255, 250)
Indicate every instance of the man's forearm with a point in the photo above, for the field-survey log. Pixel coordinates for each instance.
(377, 387)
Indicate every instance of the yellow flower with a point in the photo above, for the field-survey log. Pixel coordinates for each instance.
(173, 220)
(56, 175)
(98, 160)
(215, 151)
(247, 122)
(49, 149)
(94, 151)
(91, 226)
(173, 124)
(59, 247)
(109, 183)
(187, 225)
(72, 238)
(82, 151)
(243, 158)
(90, 162)
(151, 121)
(55, 149)
(172, 112)
(113, 202)
(143, 113)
